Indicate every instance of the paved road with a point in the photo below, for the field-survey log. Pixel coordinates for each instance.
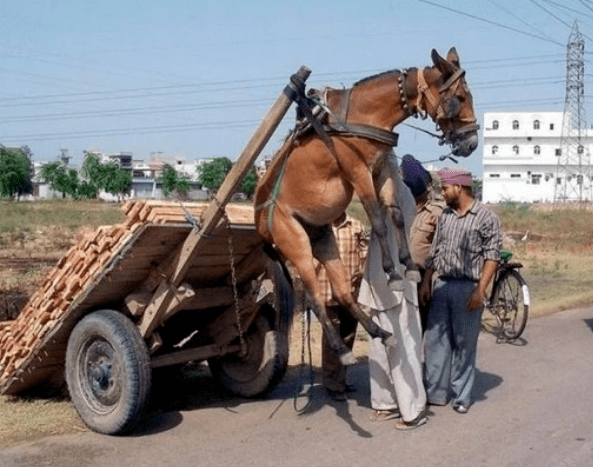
(534, 408)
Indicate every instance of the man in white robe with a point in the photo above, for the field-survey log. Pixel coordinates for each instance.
(397, 387)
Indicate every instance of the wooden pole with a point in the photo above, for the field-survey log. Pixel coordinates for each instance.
(191, 246)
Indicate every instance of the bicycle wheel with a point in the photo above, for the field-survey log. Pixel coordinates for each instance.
(511, 299)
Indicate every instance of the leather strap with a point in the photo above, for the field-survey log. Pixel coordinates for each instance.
(364, 131)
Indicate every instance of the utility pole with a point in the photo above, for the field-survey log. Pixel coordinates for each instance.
(573, 176)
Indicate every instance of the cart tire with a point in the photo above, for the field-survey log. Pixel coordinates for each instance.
(260, 370)
(108, 372)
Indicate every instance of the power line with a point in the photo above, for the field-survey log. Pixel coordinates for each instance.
(491, 22)
(558, 5)
(550, 13)
(554, 16)
(516, 17)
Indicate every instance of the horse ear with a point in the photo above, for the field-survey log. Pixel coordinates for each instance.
(453, 57)
(443, 65)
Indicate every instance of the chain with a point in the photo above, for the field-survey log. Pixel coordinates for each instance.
(305, 339)
(229, 230)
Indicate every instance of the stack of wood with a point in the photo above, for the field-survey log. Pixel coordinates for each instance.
(21, 340)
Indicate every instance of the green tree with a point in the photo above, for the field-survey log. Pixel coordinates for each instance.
(211, 174)
(248, 183)
(109, 177)
(117, 180)
(15, 172)
(60, 178)
(171, 181)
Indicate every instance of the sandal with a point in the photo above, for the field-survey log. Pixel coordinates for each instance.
(384, 415)
(402, 425)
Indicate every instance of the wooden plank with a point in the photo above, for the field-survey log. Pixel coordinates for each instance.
(213, 214)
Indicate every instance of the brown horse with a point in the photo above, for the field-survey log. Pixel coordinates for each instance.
(312, 179)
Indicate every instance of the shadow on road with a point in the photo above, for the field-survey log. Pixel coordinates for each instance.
(194, 388)
(485, 382)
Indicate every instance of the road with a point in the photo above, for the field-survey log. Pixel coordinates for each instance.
(534, 408)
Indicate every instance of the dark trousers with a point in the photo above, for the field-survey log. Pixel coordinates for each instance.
(333, 371)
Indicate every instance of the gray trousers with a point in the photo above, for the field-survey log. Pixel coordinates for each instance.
(450, 343)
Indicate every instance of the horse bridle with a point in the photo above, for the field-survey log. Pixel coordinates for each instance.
(446, 94)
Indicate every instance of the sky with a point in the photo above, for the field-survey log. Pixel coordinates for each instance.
(193, 79)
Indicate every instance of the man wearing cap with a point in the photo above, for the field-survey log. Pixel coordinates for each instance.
(464, 256)
(428, 210)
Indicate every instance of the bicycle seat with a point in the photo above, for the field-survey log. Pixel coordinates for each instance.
(505, 255)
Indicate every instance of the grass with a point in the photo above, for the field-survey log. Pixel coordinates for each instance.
(557, 258)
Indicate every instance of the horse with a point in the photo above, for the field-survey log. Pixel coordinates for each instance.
(312, 178)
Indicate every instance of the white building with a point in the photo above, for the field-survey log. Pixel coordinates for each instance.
(521, 155)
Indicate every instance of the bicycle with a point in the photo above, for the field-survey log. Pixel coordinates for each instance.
(509, 300)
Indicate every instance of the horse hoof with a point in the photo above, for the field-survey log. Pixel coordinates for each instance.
(413, 276)
(390, 341)
(397, 285)
(348, 358)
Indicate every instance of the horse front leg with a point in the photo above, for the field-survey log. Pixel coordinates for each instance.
(389, 185)
(376, 213)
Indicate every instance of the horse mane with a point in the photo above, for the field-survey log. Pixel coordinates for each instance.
(379, 75)
(376, 76)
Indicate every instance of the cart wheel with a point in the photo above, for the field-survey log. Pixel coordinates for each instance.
(260, 370)
(108, 372)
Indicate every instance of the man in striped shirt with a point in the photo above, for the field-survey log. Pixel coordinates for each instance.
(464, 255)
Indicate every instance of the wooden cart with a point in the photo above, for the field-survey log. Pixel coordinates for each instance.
(174, 284)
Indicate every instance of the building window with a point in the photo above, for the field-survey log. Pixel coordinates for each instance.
(515, 124)
(536, 150)
(536, 179)
(516, 149)
(515, 175)
(536, 124)
(494, 175)
(495, 125)
(494, 149)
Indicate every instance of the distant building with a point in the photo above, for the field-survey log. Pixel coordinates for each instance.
(144, 174)
(521, 155)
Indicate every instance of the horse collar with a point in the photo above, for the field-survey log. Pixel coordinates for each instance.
(401, 79)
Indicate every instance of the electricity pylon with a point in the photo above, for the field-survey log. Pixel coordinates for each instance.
(573, 177)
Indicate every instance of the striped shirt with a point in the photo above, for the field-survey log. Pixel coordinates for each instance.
(463, 242)
(352, 242)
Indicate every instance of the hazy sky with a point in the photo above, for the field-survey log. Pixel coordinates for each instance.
(193, 79)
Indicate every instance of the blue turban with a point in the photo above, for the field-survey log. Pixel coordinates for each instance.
(415, 176)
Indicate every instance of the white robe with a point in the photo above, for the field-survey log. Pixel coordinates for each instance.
(395, 372)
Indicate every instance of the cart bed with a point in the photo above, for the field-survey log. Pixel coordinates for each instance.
(102, 270)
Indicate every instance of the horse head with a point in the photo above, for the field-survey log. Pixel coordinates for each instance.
(445, 95)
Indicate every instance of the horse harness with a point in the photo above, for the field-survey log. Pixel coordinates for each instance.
(445, 106)
(314, 114)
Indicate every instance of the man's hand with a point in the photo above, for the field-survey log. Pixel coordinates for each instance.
(424, 290)
(476, 300)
